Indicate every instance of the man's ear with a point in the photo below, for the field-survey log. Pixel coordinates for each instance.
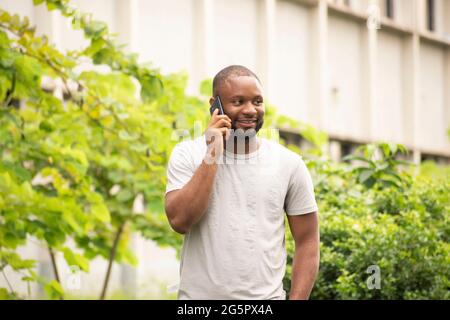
(211, 101)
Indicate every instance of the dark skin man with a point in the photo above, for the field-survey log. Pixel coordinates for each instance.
(243, 104)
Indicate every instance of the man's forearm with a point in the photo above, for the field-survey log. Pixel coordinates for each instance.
(304, 271)
(190, 203)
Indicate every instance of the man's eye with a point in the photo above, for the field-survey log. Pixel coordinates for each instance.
(236, 102)
(258, 102)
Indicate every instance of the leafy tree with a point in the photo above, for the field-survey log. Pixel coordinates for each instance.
(72, 168)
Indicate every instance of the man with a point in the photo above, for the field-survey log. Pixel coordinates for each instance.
(227, 192)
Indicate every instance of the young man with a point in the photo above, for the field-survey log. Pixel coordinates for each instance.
(228, 191)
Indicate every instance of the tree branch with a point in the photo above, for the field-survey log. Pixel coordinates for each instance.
(55, 267)
(112, 256)
(7, 281)
(10, 92)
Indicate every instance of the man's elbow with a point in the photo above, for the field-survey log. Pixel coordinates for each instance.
(178, 226)
(175, 220)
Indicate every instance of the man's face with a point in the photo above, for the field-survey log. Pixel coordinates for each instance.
(243, 102)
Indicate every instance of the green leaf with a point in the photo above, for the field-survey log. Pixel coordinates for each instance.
(21, 173)
(46, 126)
(95, 29)
(74, 259)
(151, 87)
(206, 87)
(96, 45)
(139, 147)
(156, 205)
(101, 212)
(364, 175)
(125, 195)
(129, 257)
(52, 5)
(125, 135)
(54, 237)
(17, 263)
(54, 290)
(5, 295)
(352, 157)
(70, 219)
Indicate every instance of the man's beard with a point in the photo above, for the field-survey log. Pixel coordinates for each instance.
(249, 133)
(240, 139)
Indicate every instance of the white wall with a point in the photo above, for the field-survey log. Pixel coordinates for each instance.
(235, 33)
(445, 17)
(388, 122)
(360, 5)
(21, 7)
(346, 110)
(432, 126)
(405, 12)
(165, 34)
(291, 78)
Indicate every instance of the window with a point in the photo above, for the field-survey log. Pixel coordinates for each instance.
(430, 15)
(390, 9)
(440, 160)
(290, 137)
(348, 148)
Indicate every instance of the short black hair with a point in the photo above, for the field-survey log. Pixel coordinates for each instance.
(228, 72)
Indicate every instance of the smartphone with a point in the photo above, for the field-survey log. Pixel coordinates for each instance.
(217, 104)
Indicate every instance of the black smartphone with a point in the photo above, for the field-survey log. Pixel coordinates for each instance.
(217, 104)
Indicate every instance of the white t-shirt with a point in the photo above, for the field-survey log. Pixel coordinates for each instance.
(237, 249)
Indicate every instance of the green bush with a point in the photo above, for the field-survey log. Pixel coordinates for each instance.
(403, 229)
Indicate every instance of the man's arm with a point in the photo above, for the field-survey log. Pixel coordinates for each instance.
(305, 231)
(186, 206)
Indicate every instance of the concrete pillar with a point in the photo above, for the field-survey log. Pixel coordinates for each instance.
(203, 40)
(267, 14)
(127, 17)
(48, 23)
(411, 88)
(335, 151)
(319, 66)
(447, 94)
(369, 66)
(419, 9)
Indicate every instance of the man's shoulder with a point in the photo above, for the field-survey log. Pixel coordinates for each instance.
(192, 149)
(192, 143)
(276, 148)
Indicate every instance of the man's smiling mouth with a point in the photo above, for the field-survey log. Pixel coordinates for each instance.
(247, 123)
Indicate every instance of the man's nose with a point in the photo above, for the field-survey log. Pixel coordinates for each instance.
(250, 109)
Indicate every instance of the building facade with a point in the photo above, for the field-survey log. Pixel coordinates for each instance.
(361, 70)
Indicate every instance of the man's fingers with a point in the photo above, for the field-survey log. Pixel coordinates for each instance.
(225, 132)
(220, 123)
(223, 116)
(217, 133)
(223, 123)
(212, 133)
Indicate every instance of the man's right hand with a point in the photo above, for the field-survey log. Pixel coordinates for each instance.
(218, 129)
